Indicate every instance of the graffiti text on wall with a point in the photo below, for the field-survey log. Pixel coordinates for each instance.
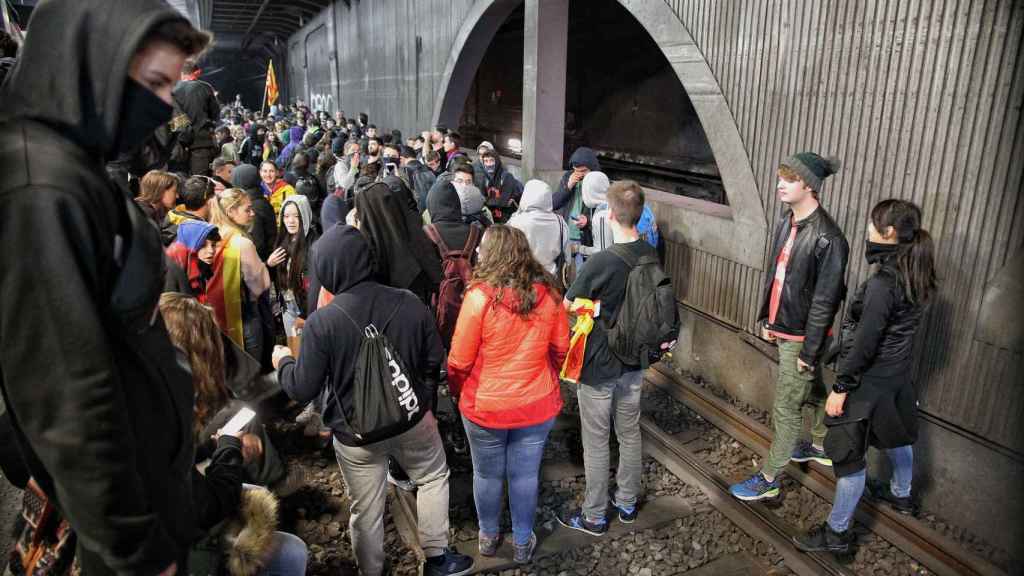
(321, 102)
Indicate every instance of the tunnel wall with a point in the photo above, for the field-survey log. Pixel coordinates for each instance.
(919, 100)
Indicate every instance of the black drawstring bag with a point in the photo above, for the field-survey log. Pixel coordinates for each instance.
(386, 399)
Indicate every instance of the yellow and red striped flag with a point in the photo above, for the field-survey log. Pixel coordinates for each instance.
(271, 91)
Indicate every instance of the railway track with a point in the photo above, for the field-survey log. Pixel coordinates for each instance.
(938, 553)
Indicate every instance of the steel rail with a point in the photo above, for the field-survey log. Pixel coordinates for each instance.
(937, 552)
(751, 517)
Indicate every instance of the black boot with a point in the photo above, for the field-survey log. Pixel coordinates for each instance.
(881, 492)
(823, 538)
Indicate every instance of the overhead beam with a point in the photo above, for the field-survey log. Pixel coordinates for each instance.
(252, 25)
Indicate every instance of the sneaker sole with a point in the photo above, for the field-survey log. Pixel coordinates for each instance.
(822, 461)
(581, 529)
(769, 494)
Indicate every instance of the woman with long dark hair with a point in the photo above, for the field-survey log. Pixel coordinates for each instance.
(873, 400)
(509, 344)
(289, 262)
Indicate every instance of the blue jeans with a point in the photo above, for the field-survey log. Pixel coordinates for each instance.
(289, 556)
(512, 454)
(850, 488)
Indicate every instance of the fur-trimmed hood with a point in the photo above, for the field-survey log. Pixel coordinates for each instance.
(247, 537)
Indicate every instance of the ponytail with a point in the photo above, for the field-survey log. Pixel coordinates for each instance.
(915, 261)
(219, 208)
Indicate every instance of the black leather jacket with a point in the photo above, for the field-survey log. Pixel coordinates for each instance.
(815, 284)
(877, 337)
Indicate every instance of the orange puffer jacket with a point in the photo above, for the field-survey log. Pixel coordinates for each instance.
(504, 367)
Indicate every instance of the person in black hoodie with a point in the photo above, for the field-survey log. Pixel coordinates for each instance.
(264, 227)
(198, 101)
(417, 176)
(99, 401)
(568, 199)
(498, 185)
(330, 346)
(873, 400)
(445, 209)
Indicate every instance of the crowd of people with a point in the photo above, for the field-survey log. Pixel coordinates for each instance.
(192, 249)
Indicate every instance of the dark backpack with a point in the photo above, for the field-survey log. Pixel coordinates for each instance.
(386, 398)
(648, 316)
(457, 268)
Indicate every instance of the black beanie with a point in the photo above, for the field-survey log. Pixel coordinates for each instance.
(812, 168)
(338, 146)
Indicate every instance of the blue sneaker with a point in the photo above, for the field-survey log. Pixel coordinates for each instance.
(627, 514)
(450, 563)
(806, 452)
(755, 488)
(576, 521)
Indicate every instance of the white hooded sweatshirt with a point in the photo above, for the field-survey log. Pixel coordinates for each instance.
(547, 233)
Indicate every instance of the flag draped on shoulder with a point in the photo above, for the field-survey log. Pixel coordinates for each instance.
(271, 91)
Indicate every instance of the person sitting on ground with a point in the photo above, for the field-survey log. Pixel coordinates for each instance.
(158, 193)
(240, 278)
(263, 229)
(510, 341)
(403, 256)
(873, 400)
(233, 458)
(191, 258)
(546, 232)
(332, 339)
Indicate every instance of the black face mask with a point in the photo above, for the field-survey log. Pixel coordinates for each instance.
(875, 252)
(142, 112)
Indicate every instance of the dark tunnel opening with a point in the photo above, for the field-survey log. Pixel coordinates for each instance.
(623, 99)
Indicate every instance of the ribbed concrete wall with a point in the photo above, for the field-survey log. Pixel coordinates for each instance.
(921, 100)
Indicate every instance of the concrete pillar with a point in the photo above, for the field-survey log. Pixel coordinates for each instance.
(545, 40)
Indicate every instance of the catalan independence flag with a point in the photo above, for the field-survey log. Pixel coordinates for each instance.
(271, 85)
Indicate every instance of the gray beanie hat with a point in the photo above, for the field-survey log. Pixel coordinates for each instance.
(811, 168)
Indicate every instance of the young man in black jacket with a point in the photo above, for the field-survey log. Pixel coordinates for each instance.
(331, 340)
(100, 405)
(804, 286)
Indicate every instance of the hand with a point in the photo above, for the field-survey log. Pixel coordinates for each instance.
(278, 256)
(252, 447)
(170, 570)
(574, 179)
(668, 345)
(766, 334)
(300, 323)
(280, 353)
(802, 366)
(581, 221)
(834, 404)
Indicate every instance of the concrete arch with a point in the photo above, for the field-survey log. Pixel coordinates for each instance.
(478, 29)
(736, 232)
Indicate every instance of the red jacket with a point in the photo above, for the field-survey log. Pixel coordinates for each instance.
(504, 367)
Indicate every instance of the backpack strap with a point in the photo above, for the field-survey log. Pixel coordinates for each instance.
(472, 241)
(627, 256)
(435, 236)
(365, 329)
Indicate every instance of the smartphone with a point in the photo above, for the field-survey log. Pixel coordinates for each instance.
(238, 421)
